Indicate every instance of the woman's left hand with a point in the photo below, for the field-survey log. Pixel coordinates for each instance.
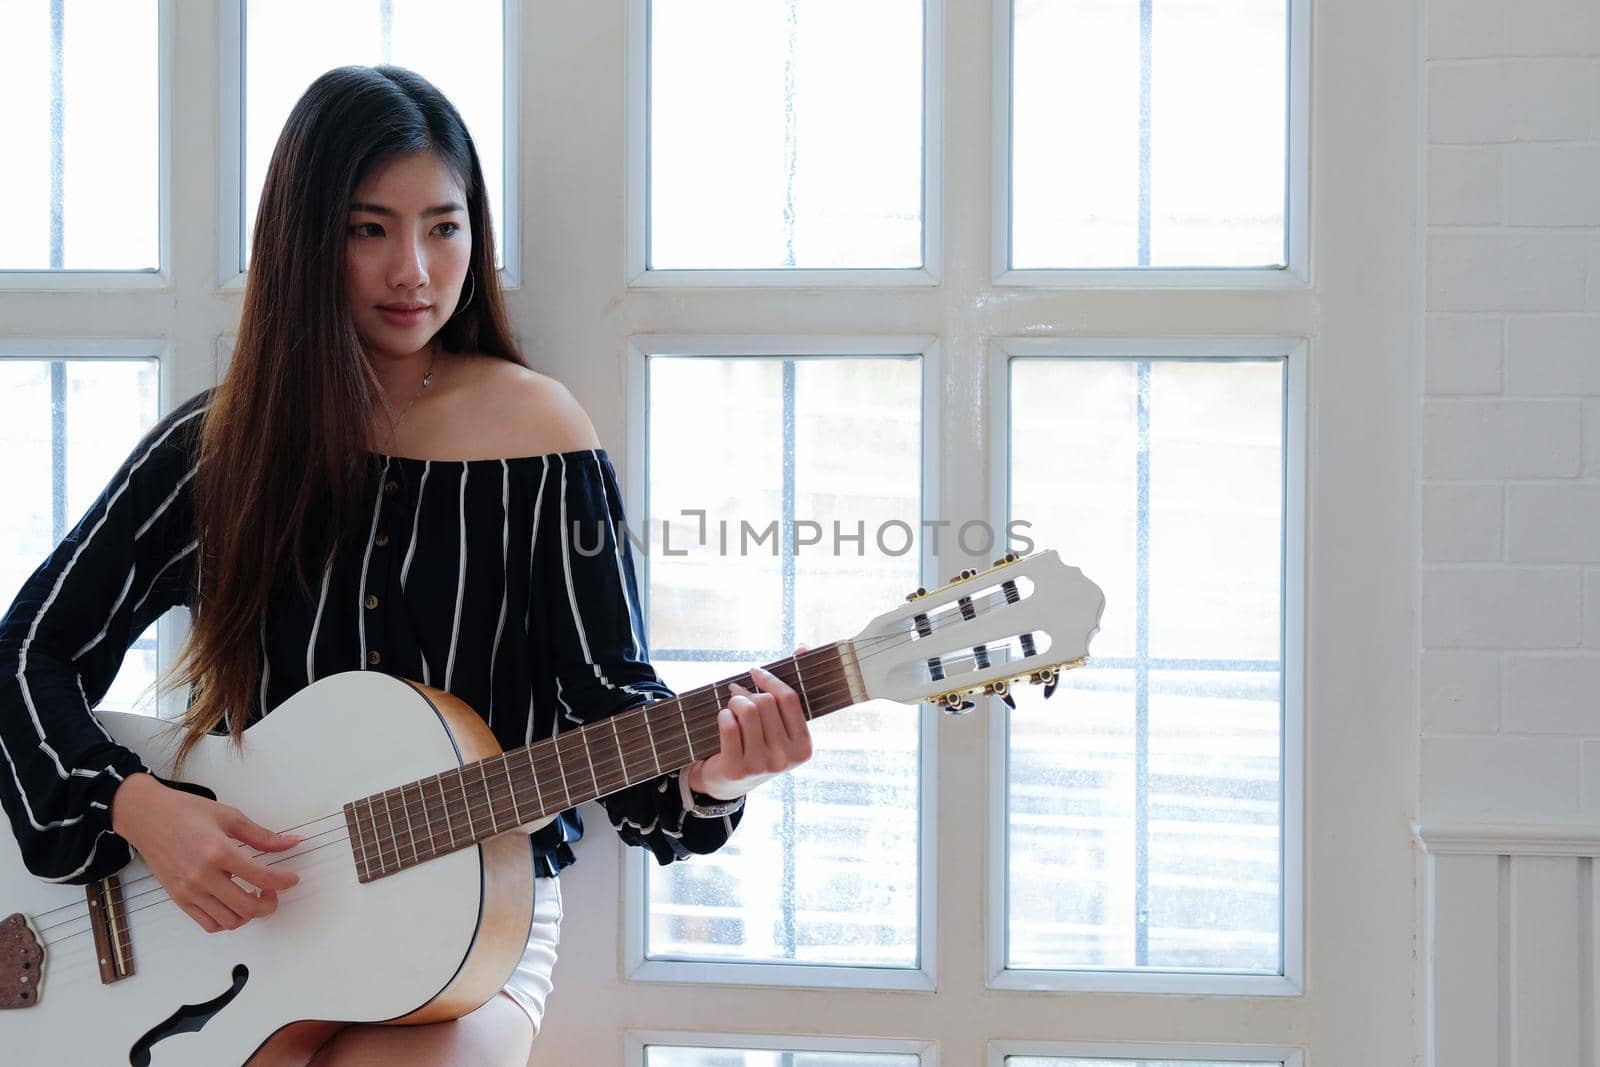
(762, 734)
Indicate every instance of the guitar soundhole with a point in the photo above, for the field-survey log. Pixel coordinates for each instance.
(189, 1019)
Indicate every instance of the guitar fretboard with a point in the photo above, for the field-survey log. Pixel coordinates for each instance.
(402, 827)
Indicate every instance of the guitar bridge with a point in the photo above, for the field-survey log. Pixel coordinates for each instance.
(109, 921)
(21, 963)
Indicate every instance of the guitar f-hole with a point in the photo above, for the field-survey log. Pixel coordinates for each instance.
(189, 1019)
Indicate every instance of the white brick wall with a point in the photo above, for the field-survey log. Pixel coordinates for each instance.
(1511, 453)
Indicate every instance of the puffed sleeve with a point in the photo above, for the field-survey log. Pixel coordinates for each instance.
(62, 641)
(592, 633)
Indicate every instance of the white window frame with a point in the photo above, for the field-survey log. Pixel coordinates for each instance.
(232, 241)
(635, 1041)
(1296, 273)
(638, 207)
(1291, 983)
(635, 898)
(111, 281)
(1362, 317)
(1116, 1053)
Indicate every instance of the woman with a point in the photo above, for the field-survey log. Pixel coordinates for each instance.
(377, 483)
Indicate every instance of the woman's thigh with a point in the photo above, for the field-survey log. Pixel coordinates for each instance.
(499, 1034)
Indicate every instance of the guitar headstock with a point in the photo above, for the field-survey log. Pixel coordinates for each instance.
(1025, 619)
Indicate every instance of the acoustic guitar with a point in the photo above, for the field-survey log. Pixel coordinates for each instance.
(416, 886)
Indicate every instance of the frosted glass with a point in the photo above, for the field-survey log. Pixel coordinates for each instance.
(1158, 143)
(674, 1056)
(83, 181)
(1144, 801)
(785, 133)
(109, 405)
(282, 59)
(824, 868)
(1057, 1061)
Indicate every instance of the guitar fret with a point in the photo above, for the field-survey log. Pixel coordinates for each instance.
(394, 837)
(687, 740)
(461, 783)
(516, 812)
(494, 825)
(422, 791)
(372, 817)
(533, 770)
(561, 765)
(805, 700)
(377, 838)
(405, 808)
(622, 757)
(583, 735)
(378, 849)
(444, 803)
(361, 843)
(650, 735)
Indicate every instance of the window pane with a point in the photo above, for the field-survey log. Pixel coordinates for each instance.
(1056, 1061)
(834, 442)
(785, 133)
(81, 85)
(69, 424)
(282, 59)
(1144, 816)
(1149, 135)
(675, 1056)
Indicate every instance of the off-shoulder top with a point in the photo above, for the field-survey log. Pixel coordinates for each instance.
(502, 581)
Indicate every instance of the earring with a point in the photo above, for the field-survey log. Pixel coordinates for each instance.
(470, 295)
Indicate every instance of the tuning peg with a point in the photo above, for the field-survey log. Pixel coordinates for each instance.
(1009, 557)
(921, 592)
(1002, 690)
(1049, 677)
(955, 704)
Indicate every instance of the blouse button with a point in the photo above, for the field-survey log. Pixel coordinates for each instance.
(390, 487)
(382, 540)
(372, 601)
(373, 658)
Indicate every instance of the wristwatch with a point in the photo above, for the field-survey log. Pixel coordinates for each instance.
(704, 805)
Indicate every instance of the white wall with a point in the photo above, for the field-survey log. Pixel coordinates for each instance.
(1509, 787)
(1511, 460)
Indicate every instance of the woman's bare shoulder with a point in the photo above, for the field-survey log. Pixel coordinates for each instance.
(521, 411)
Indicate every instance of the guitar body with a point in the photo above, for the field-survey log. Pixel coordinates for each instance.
(429, 943)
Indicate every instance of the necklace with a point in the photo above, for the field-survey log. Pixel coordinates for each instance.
(394, 423)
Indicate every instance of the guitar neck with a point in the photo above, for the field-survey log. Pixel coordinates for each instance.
(408, 825)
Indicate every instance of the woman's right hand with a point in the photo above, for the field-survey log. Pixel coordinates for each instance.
(191, 845)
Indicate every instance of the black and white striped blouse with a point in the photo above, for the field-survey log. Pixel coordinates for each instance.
(501, 581)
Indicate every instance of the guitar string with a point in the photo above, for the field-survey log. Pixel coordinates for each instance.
(703, 736)
(824, 676)
(449, 817)
(546, 757)
(452, 818)
(822, 690)
(497, 797)
(160, 893)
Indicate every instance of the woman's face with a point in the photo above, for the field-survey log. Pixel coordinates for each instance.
(408, 245)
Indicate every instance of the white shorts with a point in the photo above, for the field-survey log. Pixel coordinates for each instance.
(530, 984)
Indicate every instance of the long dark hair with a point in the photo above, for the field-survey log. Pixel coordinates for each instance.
(285, 435)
